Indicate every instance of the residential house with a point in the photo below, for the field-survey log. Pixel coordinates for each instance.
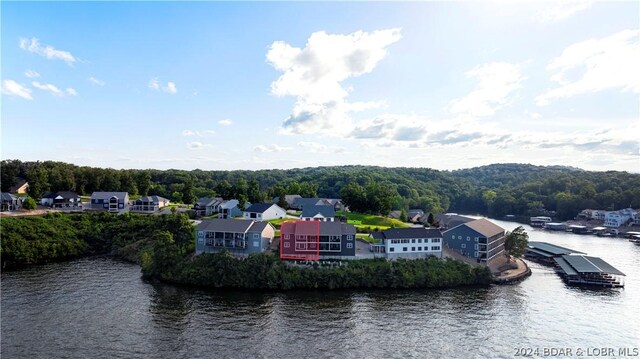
(9, 202)
(110, 201)
(615, 219)
(395, 214)
(206, 206)
(61, 199)
(414, 215)
(264, 212)
(408, 242)
(21, 186)
(149, 204)
(450, 220)
(229, 209)
(313, 240)
(479, 239)
(318, 213)
(337, 204)
(239, 236)
(289, 198)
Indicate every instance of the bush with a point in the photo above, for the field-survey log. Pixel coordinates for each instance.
(29, 203)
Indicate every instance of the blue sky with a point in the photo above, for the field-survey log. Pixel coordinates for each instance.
(216, 85)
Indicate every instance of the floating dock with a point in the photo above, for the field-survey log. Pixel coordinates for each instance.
(588, 271)
(544, 253)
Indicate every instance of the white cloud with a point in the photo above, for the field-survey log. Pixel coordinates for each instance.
(560, 10)
(270, 148)
(71, 91)
(315, 147)
(607, 63)
(31, 74)
(34, 46)
(95, 81)
(198, 133)
(496, 84)
(12, 88)
(225, 122)
(314, 74)
(170, 87)
(47, 87)
(195, 145)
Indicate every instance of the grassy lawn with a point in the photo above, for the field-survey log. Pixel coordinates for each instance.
(277, 222)
(368, 220)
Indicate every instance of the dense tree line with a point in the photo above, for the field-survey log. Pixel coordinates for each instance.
(495, 190)
(34, 239)
(268, 272)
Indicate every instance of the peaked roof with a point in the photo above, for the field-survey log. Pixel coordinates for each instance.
(230, 203)
(312, 211)
(152, 199)
(107, 195)
(315, 227)
(484, 227)
(315, 201)
(550, 248)
(260, 207)
(451, 220)
(63, 194)
(6, 196)
(398, 233)
(232, 225)
(208, 201)
(19, 183)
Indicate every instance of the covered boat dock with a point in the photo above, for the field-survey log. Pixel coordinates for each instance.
(544, 252)
(588, 271)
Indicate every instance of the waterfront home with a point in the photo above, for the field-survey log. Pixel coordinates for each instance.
(289, 199)
(229, 209)
(450, 220)
(414, 215)
(615, 219)
(149, 204)
(264, 212)
(408, 242)
(318, 213)
(206, 206)
(300, 203)
(21, 186)
(480, 239)
(9, 202)
(61, 199)
(239, 236)
(590, 271)
(110, 201)
(313, 240)
(545, 253)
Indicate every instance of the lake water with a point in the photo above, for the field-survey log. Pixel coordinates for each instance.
(100, 307)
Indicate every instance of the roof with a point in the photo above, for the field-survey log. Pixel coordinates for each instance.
(6, 196)
(399, 233)
(550, 249)
(414, 212)
(230, 203)
(19, 183)
(566, 268)
(312, 228)
(260, 207)
(584, 264)
(63, 194)
(301, 202)
(452, 220)
(107, 195)
(231, 225)
(207, 201)
(395, 214)
(484, 227)
(312, 211)
(377, 235)
(152, 199)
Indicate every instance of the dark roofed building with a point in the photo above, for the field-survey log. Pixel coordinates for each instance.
(591, 271)
(61, 199)
(313, 239)
(318, 213)
(478, 239)
(544, 252)
(240, 237)
(9, 202)
(300, 203)
(149, 204)
(450, 220)
(110, 201)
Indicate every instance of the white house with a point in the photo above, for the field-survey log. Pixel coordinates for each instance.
(318, 213)
(408, 242)
(615, 219)
(264, 212)
(62, 199)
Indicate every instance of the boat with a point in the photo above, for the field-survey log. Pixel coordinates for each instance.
(539, 221)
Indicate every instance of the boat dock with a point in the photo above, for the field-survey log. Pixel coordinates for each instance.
(588, 271)
(544, 253)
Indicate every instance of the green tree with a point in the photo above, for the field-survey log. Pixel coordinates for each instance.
(187, 192)
(516, 242)
(143, 181)
(403, 215)
(430, 219)
(38, 180)
(29, 203)
(176, 197)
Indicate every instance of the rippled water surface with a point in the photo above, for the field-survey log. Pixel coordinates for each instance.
(100, 307)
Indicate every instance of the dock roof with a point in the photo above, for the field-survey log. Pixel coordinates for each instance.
(585, 264)
(549, 248)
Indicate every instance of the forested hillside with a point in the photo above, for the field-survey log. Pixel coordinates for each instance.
(495, 190)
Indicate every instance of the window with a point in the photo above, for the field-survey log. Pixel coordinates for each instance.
(453, 236)
(475, 254)
(256, 236)
(463, 245)
(435, 240)
(349, 245)
(200, 240)
(404, 249)
(419, 248)
(419, 240)
(349, 237)
(459, 237)
(200, 233)
(286, 244)
(413, 249)
(468, 238)
(392, 249)
(476, 247)
(286, 236)
(476, 239)
(435, 248)
(413, 241)
(256, 244)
